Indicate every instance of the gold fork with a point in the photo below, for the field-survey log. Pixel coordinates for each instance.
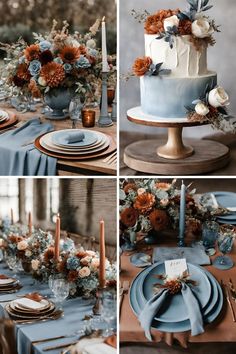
(124, 291)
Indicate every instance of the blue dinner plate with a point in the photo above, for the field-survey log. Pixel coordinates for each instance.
(175, 306)
(226, 200)
(137, 305)
(228, 222)
(60, 139)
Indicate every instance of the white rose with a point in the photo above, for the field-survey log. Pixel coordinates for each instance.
(201, 28)
(171, 22)
(164, 202)
(28, 253)
(201, 109)
(42, 82)
(35, 264)
(141, 191)
(218, 97)
(84, 272)
(91, 253)
(91, 44)
(22, 245)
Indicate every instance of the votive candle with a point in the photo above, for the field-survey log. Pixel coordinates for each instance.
(88, 118)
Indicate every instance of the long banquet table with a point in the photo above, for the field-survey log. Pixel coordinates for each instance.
(72, 321)
(221, 330)
(95, 166)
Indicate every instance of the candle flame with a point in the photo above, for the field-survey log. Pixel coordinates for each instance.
(103, 19)
(58, 215)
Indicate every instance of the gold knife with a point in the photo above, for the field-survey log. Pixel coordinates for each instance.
(232, 290)
(227, 294)
(48, 339)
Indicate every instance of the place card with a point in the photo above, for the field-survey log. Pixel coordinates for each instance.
(175, 267)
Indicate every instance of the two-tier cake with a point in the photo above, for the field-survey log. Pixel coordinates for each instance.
(175, 81)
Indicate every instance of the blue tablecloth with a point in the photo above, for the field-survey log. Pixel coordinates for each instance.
(74, 312)
(18, 160)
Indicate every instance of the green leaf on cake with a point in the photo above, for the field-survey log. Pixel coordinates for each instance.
(207, 8)
(222, 110)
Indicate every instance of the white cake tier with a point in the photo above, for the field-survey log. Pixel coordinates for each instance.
(183, 59)
(166, 96)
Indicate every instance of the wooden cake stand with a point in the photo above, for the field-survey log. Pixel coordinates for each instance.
(173, 157)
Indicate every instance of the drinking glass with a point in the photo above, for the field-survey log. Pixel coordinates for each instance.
(12, 263)
(75, 109)
(109, 304)
(225, 243)
(210, 232)
(60, 288)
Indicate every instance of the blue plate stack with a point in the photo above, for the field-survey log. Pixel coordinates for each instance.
(226, 200)
(173, 316)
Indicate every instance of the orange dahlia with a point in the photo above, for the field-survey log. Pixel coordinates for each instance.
(34, 89)
(81, 254)
(185, 27)
(141, 66)
(23, 72)
(82, 49)
(53, 73)
(130, 186)
(144, 202)
(159, 219)
(70, 54)
(155, 23)
(129, 217)
(32, 52)
(49, 254)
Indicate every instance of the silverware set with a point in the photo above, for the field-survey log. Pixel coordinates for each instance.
(124, 289)
(229, 292)
(111, 159)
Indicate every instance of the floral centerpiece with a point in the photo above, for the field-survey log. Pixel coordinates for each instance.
(152, 205)
(56, 62)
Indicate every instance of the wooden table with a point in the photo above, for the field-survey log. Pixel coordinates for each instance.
(221, 330)
(73, 168)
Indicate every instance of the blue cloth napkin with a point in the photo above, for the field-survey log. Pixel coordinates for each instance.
(18, 160)
(153, 305)
(74, 137)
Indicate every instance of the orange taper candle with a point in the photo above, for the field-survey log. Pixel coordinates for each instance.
(30, 224)
(57, 237)
(102, 272)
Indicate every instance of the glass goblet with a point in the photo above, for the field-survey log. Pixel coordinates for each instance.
(60, 290)
(210, 232)
(75, 109)
(109, 308)
(225, 243)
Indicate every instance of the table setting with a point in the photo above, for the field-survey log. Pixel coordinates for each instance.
(62, 77)
(177, 284)
(60, 294)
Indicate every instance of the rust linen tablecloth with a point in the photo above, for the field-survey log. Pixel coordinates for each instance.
(222, 330)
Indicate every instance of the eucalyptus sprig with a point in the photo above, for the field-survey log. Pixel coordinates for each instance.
(140, 16)
(190, 14)
(155, 70)
(169, 35)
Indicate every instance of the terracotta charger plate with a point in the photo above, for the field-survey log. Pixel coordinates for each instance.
(11, 121)
(106, 151)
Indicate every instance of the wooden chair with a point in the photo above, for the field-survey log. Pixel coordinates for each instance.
(7, 337)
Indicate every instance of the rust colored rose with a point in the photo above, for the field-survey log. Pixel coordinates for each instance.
(185, 27)
(144, 202)
(129, 217)
(141, 66)
(130, 186)
(155, 23)
(72, 275)
(159, 219)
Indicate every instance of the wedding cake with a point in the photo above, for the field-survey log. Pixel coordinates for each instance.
(175, 81)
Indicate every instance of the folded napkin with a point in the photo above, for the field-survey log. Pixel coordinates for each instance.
(194, 255)
(3, 276)
(74, 137)
(153, 305)
(18, 160)
(93, 346)
(34, 296)
(29, 304)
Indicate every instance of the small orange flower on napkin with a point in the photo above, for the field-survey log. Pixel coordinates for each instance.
(112, 341)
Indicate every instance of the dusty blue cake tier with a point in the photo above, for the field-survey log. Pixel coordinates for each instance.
(167, 96)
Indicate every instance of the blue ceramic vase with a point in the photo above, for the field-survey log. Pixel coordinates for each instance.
(58, 99)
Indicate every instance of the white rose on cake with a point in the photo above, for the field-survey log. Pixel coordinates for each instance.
(201, 109)
(201, 28)
(171, 22)
(218, 97)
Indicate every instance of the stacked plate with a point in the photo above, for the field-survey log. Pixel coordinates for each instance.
(225, 200)
(4, 116)
(93, 144)
(173, 315)
(8, 285)
(27, 309)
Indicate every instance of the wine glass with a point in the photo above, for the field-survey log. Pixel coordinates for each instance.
(60, 288)
(75, 109)
(109, 308)
(12, 263)
(225, 243)
(210, 231)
